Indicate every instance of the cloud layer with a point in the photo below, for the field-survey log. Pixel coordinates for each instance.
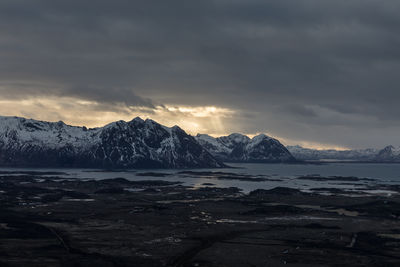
(309, 70)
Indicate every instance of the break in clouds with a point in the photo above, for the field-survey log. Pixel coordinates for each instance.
(311, 71)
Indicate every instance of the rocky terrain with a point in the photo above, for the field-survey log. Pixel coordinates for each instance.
(46, 220)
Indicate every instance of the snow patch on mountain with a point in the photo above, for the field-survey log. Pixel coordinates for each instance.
(388, 154)
(135, 144)
(49, 134)
(240, 148)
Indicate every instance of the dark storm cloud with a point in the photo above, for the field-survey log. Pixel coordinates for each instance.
(310, 69)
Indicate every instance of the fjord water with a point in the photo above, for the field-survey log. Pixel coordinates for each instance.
(277, 175)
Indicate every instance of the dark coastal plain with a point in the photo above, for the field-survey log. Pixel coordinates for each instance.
(48, 220)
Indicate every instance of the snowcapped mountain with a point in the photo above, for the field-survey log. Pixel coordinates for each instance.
(301, 153)
(135, 144)
(388, 154)
(240, 148)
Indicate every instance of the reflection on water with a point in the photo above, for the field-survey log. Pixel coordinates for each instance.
(266, 176)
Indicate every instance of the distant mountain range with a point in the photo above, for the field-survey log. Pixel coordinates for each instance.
(387, 154)
(301, 153)
(135, 144)
(240, 148)
(148, 144)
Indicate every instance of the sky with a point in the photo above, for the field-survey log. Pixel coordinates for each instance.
(318, 73)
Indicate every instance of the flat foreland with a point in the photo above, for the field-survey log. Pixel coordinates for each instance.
(46, 220)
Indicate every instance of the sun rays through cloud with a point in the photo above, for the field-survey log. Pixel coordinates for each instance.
(193, 119)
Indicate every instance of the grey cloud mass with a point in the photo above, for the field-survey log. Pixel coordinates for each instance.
(311, 70)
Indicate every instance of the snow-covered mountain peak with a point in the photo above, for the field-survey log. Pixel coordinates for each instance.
(259, 138)
(33, 132)
(389, 154)
(205, 136)
(238, 138)
(240, 148)
(395, 151)
(138, 143)
(115, 124)
(137, 119)
(176, 128)
(150, 122)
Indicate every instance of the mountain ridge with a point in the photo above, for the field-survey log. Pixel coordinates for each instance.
(147, 144)
(240, 148)
(134, 144)
(387, 154)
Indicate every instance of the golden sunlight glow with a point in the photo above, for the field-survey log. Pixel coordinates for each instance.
(193, 119)
(201, 111)
(313, 145)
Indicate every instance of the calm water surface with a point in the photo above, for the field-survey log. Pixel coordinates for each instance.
(279, 174)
